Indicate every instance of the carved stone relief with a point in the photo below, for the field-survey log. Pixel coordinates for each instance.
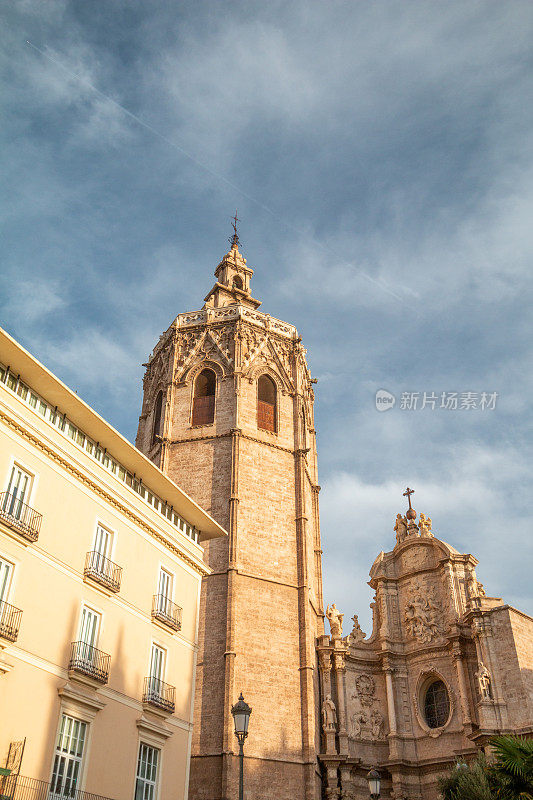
(366, 687)
(423, 614)
(366, 723)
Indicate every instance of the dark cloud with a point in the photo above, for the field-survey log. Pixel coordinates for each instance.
(380, 158)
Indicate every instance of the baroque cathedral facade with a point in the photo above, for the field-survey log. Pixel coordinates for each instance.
(228, 415)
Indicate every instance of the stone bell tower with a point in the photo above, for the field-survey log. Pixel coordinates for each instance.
(228, 414)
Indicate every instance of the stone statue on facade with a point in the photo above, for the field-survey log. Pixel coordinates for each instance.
(483, 678)
(357, 720)
(376, 725)
(474, 587)
(424, 524)
(400, 526)
(357, 635)
(335, 620)
(329, 714)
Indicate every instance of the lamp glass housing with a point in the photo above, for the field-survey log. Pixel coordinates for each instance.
(241, 720)
(374, 782)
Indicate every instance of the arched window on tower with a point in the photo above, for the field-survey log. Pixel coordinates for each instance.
(266, 404)
(203, 406)
(237, 282)
(158, 409)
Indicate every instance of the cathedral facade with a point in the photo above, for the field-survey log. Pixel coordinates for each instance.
(445, 668)
(228, 415)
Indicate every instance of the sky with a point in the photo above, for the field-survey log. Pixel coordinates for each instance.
(380, 158)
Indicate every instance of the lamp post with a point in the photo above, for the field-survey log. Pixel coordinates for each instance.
(241, 717)
(374, 784)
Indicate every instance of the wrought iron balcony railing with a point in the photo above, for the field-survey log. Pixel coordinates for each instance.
(20, 516)
(103, 571)
(9, 622)
(166, 611)
(89, 661)
(159, 694)
(20, 787)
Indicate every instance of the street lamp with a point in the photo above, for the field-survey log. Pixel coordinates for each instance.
(241, 717)
(374, 784)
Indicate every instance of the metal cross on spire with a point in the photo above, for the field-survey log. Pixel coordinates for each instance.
(411, 513)
(234, 240)
(408, 492)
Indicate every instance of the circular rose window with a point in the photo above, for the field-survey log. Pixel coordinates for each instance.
(436, 705)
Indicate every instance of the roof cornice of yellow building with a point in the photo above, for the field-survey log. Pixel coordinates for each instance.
(45, 383)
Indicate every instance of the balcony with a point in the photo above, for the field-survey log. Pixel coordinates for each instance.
(103, 571)
(9, 622)
(18, 515)
(87, 660)
(164, 610)
(19, 787)
(159, 694)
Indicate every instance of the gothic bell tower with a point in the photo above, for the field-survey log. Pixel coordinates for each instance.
(228, 414)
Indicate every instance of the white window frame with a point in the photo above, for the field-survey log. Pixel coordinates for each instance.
(99, 616)
(146, 783)
(164, 658)
(6, 578)
(69, 757)
(162, 604)
(16, 463)
(111, 539)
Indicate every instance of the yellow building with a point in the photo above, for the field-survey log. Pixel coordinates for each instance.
(101, 562)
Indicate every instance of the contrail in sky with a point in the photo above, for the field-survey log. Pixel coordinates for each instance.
(207, 169)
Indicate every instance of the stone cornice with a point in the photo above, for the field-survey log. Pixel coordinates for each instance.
(97, 489)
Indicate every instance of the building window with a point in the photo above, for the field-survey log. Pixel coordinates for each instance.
(436, 704)
(237, 282)
(166, 587)
(103, 542)
(18, 493)
(203, 407)
(156, 430)
(146, 783)
(266, 404)
(157, 667)
(6, 572)
(68, 757)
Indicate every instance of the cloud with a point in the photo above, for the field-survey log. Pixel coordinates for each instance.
(379, 155)
(470, 508)
(27, 302)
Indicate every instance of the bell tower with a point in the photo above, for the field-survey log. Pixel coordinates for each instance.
(228, 414)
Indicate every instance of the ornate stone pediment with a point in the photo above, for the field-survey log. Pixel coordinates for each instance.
(206, 344)
(265, 352)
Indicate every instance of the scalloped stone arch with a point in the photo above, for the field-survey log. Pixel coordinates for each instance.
(192, 372)
(426, 676)
(264, 369)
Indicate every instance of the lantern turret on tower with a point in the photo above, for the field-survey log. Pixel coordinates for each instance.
(233, 279)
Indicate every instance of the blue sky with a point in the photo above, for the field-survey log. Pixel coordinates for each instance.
(380, 158)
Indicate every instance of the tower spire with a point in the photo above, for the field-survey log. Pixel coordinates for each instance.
(234, 240)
